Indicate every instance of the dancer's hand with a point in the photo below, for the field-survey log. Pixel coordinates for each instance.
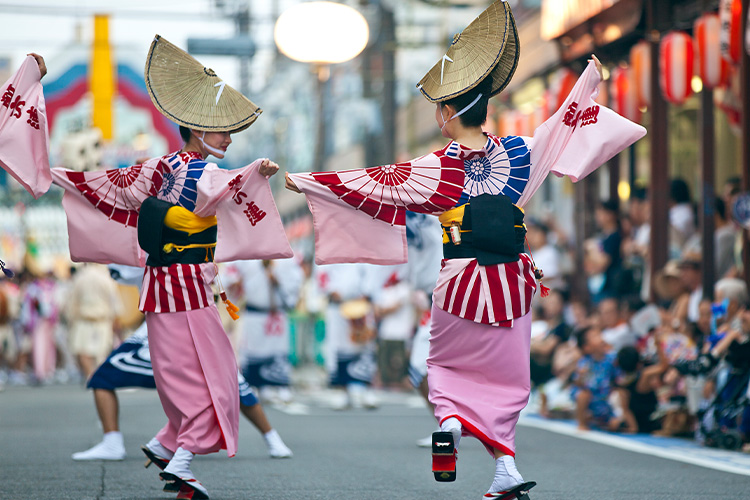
(598, 66)
(40, 62)
(268, 168)
(290, 185)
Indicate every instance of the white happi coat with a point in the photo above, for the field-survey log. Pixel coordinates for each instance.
(265, 326)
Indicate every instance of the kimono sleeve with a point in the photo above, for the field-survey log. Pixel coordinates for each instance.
(580, 137)
(249, 224)
(359, 215)
(24, 137)
(102, 212)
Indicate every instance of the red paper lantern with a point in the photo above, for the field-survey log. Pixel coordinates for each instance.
(640, 65)
(730, 14)
(603, 96)
(542, 110)
(712, 68)
(624, 99)
(510, 123)
(562, 83)
(676, 66)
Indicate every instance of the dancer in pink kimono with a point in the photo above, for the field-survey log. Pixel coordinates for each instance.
(177, 215)
(478, 364)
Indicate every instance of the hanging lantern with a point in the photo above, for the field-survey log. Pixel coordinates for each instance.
(712, 68)
(562, 83)
(730, 14)
(603, 96)
(521, 123)
(676, 66)
(508, 123)
(729, 101)
(640, 66)
(541, 111)
(624, 100)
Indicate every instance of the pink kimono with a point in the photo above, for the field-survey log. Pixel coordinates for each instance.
(478, 366)
(194, 364)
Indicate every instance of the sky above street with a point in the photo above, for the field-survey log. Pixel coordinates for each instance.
(47, 26)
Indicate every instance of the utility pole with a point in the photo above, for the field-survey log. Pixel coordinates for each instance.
(242, 24)
(379, 83)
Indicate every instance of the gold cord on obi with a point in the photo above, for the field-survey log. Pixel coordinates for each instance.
(452, 219)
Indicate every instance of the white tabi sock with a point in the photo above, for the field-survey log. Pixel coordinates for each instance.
(452, 425)
(114, 438)
(506, 475)
(111, 447)
(179, 465)
(276, 446)
(158, 449)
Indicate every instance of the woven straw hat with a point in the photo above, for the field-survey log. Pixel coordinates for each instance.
(355, 309)
(489, 45)
(190, 94)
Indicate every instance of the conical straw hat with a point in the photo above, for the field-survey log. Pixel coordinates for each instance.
(189, 94)
(489, 45)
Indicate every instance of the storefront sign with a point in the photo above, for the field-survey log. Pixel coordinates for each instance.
(560, 16)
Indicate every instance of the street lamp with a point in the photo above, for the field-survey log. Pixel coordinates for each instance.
(321, 33)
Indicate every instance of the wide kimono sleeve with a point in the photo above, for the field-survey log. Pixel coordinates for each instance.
(580, 137)
(24, 137)
(249, 224)
(359, 215)
(102, 212)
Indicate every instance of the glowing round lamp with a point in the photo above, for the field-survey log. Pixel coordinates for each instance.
(321, 32)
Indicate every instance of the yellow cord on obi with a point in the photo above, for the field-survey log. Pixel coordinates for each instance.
(184, 220)
(453, 217)
(171, 246)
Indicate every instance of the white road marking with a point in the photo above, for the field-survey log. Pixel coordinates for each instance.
(681, 451)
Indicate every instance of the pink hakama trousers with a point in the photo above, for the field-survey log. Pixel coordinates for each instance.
(479, 374)
(196, 378)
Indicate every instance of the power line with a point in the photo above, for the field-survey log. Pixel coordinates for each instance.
(56, 10)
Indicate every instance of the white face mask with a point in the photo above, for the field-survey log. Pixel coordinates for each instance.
(214, 151)
(467, 108)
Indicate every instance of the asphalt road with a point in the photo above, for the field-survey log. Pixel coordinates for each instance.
(356, 454)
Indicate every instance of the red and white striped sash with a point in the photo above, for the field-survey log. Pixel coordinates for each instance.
(176, 288)
(493, 295)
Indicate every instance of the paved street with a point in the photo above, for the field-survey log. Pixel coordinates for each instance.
(356, 454)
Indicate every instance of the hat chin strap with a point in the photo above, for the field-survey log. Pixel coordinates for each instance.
(214, 151)
(467, 108)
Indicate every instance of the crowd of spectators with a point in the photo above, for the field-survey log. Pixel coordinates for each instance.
(646, 351)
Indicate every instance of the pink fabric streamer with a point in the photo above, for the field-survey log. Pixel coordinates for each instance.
(24, 137)
(249, 225)
(341, 232)
(580, 137)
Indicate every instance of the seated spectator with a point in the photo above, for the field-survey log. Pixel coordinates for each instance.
(546, 256)
(638, 384)
(594, 380)
(691, 276)
(602, 260)
(681, 214)
(543, 346)
(724, 238)
(615, 330)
